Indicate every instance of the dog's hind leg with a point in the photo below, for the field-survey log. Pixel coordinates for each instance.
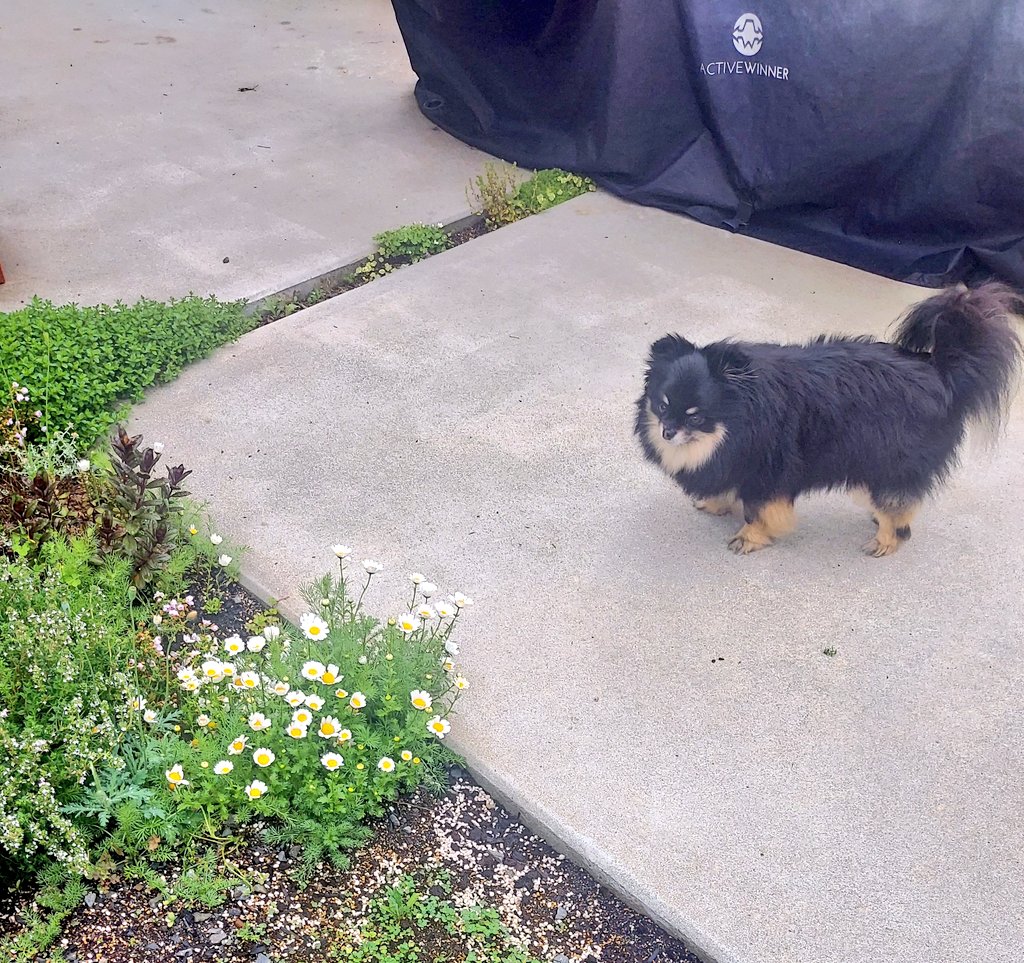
(724, 504)
(764, 523)
(893, 521)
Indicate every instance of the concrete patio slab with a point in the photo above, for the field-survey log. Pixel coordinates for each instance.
(133, 165)
(661, 707)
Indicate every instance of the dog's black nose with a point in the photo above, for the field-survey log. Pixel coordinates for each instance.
(667, 433)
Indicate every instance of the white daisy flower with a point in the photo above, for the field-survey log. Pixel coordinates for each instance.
(191, 686)
(330, 675)
(312, 670)
(448, 665)
(387, 764)
(461, 601)
(296, 730)
(417, 578)
(331, 760)
(83, 465)
(445, 610)
(215, 539)
(186, 675)
(358, 700)
(313, 626)
(302, 717)
(258, 721)
(281, 688)
(255, 789)
(362, 660)
(420, 699)
(255, 643)
(224, 560)
(223, 767)
(439, 727)
(329, 728)
(271, 632)
(138, 704)
(202, 720)
(227, 668)
(234, 645)
(314, 702)
(425, 612)
(452, 648)
(295, 698)
(427, 589)
(342, 551)
(175, 775)
(237, 746)
(158, 447)
(149, 716)
(345, 735)
(372, 567)
(249, 680)
(406, 755)
(461, 682)
(408, 623)
(263, 757)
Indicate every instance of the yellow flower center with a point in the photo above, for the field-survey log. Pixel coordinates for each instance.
(327, 678)
(314, 630)
(359, 765)
(327, 729)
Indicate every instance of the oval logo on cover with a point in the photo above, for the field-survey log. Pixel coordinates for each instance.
(747, 34)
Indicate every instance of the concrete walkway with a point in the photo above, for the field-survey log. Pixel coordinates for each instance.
(133, 165)
(657, 704)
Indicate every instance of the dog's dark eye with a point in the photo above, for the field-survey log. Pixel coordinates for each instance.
(661, 406)
(694, 420)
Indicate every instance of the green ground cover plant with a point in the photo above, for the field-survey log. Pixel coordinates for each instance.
(87, 362)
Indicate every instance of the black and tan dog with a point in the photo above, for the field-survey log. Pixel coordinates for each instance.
(753, 426)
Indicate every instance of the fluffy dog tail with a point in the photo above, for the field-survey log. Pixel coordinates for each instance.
(972, 343)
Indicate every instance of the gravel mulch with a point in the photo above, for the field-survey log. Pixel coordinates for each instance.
(551, 908)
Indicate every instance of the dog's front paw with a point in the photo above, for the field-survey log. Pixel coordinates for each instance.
(879, 547)
(746, 541)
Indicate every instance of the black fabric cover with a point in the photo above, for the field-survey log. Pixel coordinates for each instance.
(888, 134)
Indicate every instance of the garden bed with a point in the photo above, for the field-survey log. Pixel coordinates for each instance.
(445, 875)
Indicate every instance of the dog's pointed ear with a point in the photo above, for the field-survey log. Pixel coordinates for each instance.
(726, 360)
(669, 348)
